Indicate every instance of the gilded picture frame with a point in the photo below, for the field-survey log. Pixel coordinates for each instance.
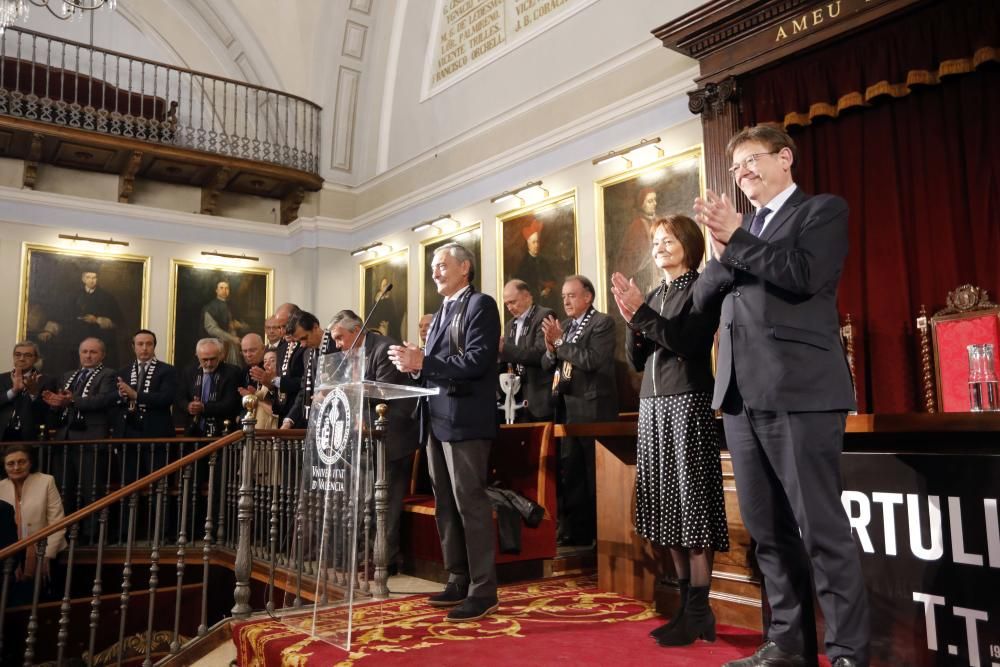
(68, 294)
(626, 204)
(470, 236)
(194, 293)
(389, 317)
(539, 244)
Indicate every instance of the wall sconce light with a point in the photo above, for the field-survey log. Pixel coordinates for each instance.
(365, 249)
(647, 150)
(88, 239)
(532, 190)
(226, 255)
(436, 223)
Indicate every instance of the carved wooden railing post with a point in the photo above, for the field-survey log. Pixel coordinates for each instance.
(380, 589)
(244, 557)
(926, 372)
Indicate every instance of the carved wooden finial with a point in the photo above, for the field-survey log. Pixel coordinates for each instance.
(966, 298)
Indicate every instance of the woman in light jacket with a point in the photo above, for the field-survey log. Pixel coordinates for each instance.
(36, 503)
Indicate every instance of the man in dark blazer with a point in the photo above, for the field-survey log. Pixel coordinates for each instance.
(315, 342)
(147, 389)
(82, 407)
(460, 360)
(208, 392)
(784, 387)
(286, 381)
(581, 352)
(403, 437)
(22, 410)
(522, 348)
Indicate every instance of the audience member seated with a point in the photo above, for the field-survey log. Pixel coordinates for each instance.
(36, 505)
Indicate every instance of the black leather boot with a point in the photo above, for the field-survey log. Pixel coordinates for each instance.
(684, 585)
(698, 621)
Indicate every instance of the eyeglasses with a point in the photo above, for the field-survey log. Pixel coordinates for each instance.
(748, 162)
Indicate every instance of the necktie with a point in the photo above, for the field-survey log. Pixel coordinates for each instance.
(571, 330)
(142, 375)
(206, 387)
(81, 379)
(757, 225)
(517, 330)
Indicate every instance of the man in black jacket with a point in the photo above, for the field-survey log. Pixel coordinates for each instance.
(286, 381)
(22, 410)
(522, 347)
(580, 351)
(209, 393)
(315, 342)
(147, 389)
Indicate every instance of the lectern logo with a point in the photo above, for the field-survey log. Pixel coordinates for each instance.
(335, 427)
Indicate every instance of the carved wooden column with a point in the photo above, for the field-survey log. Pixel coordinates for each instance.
(718, 106)
(380, 590)
(244, 558)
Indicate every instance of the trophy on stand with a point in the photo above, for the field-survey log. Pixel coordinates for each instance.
(510, 383)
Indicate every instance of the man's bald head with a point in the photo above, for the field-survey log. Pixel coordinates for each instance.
(252, 347)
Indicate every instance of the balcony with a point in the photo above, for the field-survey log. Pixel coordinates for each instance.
(77, 106)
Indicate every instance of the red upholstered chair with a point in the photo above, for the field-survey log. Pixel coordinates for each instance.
(969, 319)
(523, 458)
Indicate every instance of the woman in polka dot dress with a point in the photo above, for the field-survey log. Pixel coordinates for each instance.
(679, 502)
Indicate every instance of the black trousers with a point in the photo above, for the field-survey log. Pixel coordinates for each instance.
(463, 513)
(577, 491)
(787, 468)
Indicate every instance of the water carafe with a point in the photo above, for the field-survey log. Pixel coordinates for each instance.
(983, 389)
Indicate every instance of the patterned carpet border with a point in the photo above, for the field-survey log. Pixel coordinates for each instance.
(410, 624)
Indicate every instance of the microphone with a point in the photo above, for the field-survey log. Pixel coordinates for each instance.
(364, 324)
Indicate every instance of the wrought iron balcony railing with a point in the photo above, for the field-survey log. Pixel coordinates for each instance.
(79, 86)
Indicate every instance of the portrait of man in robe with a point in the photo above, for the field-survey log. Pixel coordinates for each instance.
(71, 294)
(216, 302)
(539, 247)
(377, 275)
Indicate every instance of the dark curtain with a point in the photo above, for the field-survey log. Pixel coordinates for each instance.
(919, 171)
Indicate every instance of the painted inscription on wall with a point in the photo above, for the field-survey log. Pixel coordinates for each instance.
(470, 30)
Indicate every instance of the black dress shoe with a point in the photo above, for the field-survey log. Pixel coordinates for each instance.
(473, 609)
(452, 595)
(844, 661)
(769, 655)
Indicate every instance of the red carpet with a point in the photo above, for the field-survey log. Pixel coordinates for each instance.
(557, 621)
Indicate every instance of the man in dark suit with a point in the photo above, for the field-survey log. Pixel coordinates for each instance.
(147, 389)
(403, 437)
(22, 410)
(522, 347)
(580, 352)
(784, 387)
(315, 342)
(209, 392)
(82, 409)
(286, 381)
(460, 359)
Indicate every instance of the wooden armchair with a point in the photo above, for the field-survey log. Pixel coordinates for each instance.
(523, 458)
(970, 318)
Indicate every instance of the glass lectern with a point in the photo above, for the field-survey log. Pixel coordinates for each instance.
(337, 542)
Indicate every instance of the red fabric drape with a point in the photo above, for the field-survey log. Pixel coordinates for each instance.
(920, 174)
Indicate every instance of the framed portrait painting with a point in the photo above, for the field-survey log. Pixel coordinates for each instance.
(539, 246)
(68, 295)
(470, 236)
(221, 302)
(627, 205)
(389, 317)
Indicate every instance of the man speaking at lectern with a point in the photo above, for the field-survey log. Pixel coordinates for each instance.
(460, 359)
(784, 388)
